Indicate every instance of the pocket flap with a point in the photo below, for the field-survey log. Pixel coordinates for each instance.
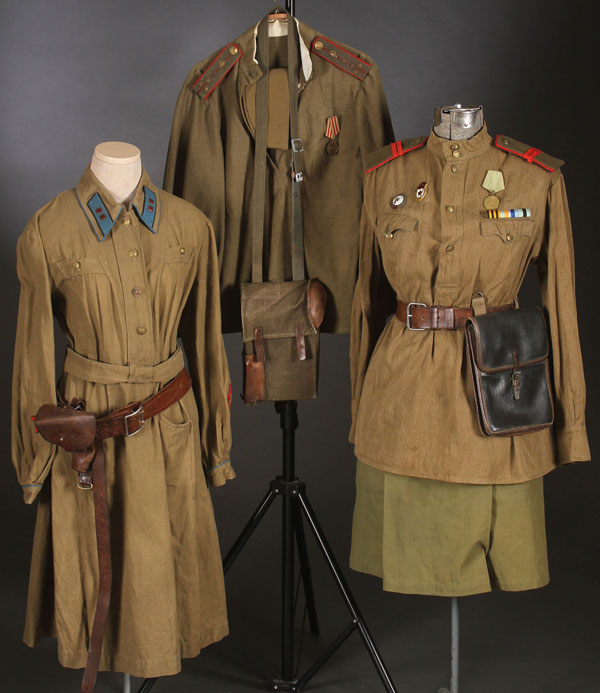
(500, 341)
(179, 253)
(389, 223)
(78, 266)
(506, 229)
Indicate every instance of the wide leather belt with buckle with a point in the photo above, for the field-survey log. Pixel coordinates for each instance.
(420, 316)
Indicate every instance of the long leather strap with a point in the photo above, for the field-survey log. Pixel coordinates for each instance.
(260, 153)
(125, 421)
(419, 317)
(102, 521)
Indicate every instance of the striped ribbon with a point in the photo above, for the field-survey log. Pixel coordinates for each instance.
(332, 128)
(524, 213)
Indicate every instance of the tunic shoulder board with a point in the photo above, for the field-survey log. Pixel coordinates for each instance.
(218, 69)
(530, 154)
(393, 151)
(342, 58)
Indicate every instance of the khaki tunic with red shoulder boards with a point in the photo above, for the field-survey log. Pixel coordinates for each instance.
(412, 401)
(343, 117)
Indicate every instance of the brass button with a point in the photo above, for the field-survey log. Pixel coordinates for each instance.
(140, 329)
(509, 237)
(136, 291)
(77, 265)
(133, 252)
(450, 209)
(182, 251)
(234, 50)
(449, 248)
(505, 143)
(126, 221)
(454, 169)
(318, 45)
(456, 154)
(454, 147)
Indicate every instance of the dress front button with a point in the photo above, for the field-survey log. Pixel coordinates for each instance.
(450, 209)
(182, 251)
(456, 154)
(454, 169)
(140, 329)
(77, 265)
(133, 252)
(126, 221)
(136, 291)
(449, 248)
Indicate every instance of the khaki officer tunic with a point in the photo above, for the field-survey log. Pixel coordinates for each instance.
(413, 409)
(343, 116)
(123, 281)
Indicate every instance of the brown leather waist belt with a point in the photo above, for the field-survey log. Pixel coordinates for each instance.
(81, 433)
(419, 316)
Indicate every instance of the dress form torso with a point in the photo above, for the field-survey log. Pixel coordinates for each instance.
(456, 122)
(118, 166)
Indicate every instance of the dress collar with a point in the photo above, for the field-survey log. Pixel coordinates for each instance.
(459, 150)
(102, 210)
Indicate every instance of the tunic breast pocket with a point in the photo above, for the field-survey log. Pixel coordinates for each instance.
(508, 231)
(79, 267)
(179, 253)
(504, 248)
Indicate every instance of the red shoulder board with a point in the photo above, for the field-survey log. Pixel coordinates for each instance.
(530, 154)
(216, 72)
(393, 151)
(342, 58)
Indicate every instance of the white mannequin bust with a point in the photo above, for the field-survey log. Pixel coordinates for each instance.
(118, 166)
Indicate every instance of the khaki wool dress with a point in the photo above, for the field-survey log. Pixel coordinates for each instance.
(441, 508)
(123, 282)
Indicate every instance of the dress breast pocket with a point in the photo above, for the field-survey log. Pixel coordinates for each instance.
(77, 272)
(507, 231)
(504, 249)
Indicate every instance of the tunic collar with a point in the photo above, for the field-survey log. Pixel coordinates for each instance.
(248, 43)
(459, 150)
(102, 210)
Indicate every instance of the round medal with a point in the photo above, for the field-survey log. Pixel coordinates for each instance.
(491, 202)
(399, 200)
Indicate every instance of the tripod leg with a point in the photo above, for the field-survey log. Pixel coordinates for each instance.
(346, 594)
(305, 569)
(252, 524)
(147, 685)
(287, 590)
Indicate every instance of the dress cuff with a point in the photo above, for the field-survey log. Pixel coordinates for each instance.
(221, 473)
(572, 445)
(30, 492)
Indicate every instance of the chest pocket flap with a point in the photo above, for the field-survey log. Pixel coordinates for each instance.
(390, 224)
(179, 253)
(506, 229)
(78, 267)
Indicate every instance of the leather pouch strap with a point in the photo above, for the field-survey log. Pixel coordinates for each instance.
(102, 521)
(260, 153)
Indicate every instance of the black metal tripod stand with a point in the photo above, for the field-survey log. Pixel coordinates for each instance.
(296, 508)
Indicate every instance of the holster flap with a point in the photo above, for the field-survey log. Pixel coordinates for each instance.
(277, 307)
(504, 340)
(72, 429)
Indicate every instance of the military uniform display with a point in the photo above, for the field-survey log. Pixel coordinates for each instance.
(431, 236)
(343, 117)
(123, 281)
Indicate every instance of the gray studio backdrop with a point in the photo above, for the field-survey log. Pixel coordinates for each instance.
(74, 73)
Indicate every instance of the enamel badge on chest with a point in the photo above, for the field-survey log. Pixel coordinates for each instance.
(421, 193)
(398, 201)
(493, 183)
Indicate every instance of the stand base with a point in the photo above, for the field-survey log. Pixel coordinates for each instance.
(279, 685)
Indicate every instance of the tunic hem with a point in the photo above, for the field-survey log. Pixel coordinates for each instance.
(153, 667)
(452, 478)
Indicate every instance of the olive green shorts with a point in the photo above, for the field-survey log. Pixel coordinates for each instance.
(423, 536)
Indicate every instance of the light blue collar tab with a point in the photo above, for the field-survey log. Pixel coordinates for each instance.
(149, 211)
(101, 215)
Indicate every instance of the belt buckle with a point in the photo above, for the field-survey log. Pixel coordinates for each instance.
(139, 411)
(409, 316)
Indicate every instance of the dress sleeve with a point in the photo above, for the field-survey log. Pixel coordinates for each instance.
(375, 125)
(195, 168)
(207, 361)
(34, 371)
(373, 301)
(556, 267)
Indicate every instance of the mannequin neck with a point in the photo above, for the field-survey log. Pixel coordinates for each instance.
(118, 166)
(456, 122)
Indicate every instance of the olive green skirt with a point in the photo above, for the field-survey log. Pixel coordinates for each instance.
(423, 536)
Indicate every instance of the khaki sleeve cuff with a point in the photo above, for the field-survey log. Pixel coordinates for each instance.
(30, 492)
(572, 445)
(220, 474)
